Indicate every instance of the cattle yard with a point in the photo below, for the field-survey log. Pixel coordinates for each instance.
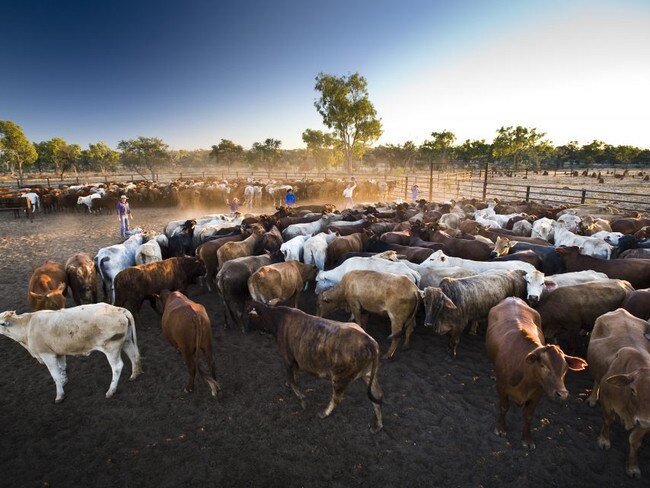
(438, 415)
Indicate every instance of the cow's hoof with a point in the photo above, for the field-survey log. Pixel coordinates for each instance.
(322, 415)
(591, 402)
(603, 443)
(387, 356)
(59, 399)
(375, 428)
(499, 432)
(633, 472)
(530, 445)
(303, 404)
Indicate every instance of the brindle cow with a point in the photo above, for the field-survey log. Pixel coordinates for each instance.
(82, 278)
(337, 351)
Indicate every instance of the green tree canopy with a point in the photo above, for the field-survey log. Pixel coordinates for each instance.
(519, 145)
(346, 109)
(144, 153)
(265, 154)
(99, 157)
(15, 150)
(227, 152)
(474, 151)
(321, 148)
(440, 147)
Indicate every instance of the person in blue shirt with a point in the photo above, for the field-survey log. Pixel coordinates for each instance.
(123, 215)
(290, 198)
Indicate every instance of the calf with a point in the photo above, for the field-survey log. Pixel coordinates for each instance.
(315, 249)
(109, 261)
(380, 293)
(50, 336)
(281, 281)
(571, 308)
(524, 367)
(82, 278)
(336, 351)
(136, 283)
(551, 262)
(47, 287)
(638, 303)
(619, 356)
(459, 300)
(232, 250)
(540, 285)
(185, 324)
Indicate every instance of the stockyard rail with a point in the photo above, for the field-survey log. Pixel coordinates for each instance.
(437, 185)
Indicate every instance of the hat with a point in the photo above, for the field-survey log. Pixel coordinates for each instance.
(124, 197)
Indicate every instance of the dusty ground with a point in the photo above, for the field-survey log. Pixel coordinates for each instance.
(438, 415)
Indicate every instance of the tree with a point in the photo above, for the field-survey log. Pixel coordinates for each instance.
(265, 153)
(144, 153)
(100, 157)
(396, 155)
(57, 150)
(227, 152)
(347, 110)
(519, 144)
(440, 147)
(321, 148)
(15, 149)
(477, 151)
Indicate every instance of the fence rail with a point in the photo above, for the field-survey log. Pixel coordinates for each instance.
(438, 185)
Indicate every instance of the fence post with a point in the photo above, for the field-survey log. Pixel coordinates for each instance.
(77, 180)
(431, 180)
(18, 185)
(406, 188)
(485, 176)
(48, 181)
(527, 193)
(583, 196)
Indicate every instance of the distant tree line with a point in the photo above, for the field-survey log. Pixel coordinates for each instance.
(345, 107)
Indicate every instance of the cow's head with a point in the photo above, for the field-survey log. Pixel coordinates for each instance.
(326, 303)
(52, 300)
(501, 247)
(636, 386)
(537, 286)
(435, 301)
(549, 365)
(194, 267)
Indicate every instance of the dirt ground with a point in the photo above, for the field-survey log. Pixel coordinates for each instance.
(438, 415)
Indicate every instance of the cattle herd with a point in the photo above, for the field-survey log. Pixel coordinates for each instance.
(536, 277)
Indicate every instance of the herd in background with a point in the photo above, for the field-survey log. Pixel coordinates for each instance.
(188, 193)
(538, 274)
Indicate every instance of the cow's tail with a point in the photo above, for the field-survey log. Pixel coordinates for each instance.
(212, 383)
(132, 340)
(373, 376)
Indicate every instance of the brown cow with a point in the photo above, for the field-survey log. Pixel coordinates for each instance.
(207, 252)
(619, 355)
(575, 307)
(640, 253)
(135, 283)
(340, 352)
(82, 278)
(636, 271)
(187, 327)
(462, 248)
(629, 225)
(341, 245)
(47, 287)
(282, 281)
(375, 292)
(232, 250)
(524, 367)
(638, 303)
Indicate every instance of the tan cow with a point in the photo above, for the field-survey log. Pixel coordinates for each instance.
(619, 355)
(186, 325)
(525, 368)
(47, 287)
(51, 335)
(232, 250)
(376, 292)
(281, 281)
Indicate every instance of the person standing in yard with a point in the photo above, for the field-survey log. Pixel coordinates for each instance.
(290, 198)
(415, 192)
(347, 195)
(123, 215)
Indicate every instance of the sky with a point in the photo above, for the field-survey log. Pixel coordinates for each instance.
(195, 72)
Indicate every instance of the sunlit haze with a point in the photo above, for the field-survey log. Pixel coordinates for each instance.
(193, 73)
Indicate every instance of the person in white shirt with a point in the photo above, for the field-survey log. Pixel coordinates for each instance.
(347, 195)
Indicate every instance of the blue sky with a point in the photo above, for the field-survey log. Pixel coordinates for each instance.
(195, 72)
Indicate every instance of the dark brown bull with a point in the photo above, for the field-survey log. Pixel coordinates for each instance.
(47, 287)
(185, 324)
(82, 278)
(524, 367)
(135, 283)
(638, 303)
(341, 245)
(340, 352)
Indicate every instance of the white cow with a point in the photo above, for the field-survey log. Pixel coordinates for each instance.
(51, 335)
(433, 276)
(34, 198)
(293, 249)
(88, 200)
(539, 285)
(569, 222)
(522, 228)
(502, 219)
(485, 222)
(150, 251)
(111, 260)
(589, 246)
(328, 279)
(543, 228)
(310, 228)
(315, 249)
(440, 260)
(609, 237)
